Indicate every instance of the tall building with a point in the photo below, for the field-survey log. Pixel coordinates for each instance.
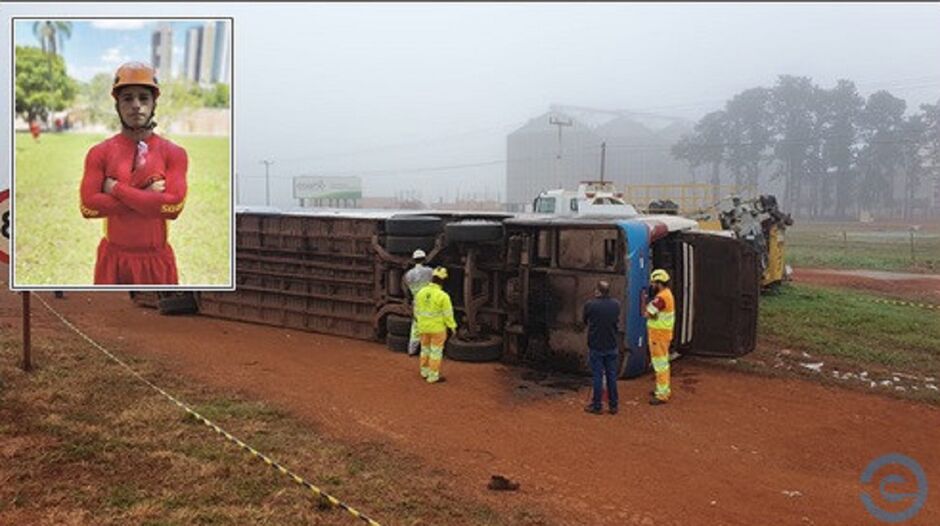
(193, 54)
(208, 53)
(222, 58)
(161, 51)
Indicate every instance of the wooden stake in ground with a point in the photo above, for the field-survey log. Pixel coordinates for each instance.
(27, 361)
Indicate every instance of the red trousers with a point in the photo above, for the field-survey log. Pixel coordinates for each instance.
(119, 265)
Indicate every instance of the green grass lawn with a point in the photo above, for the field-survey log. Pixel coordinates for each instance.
(55, 245)
(864, 246)
(851, 327)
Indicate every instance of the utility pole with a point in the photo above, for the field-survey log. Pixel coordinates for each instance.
(27, 341)
(267, 181)
(560, 123)
(603, 158)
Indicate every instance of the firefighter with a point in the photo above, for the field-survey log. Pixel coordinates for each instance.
(414, 280)
(136, 181)
(434, 315)
(34, 129)
(661, 316)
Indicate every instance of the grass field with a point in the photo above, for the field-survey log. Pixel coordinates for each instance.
(55, 245)
(864, 246)
(82, 442)
(851, 327)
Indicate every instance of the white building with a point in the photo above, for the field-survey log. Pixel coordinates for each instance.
(161, 51)
(193, 54)
(208, 53)
(222, 53)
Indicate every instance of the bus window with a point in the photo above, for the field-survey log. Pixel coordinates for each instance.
(574, 205)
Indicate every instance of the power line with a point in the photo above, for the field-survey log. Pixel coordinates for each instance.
(899, 84)
(894, 84)
(579, 152)
(422, 142)
(426, 169)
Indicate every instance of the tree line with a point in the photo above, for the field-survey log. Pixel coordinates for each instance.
(837, 152)
(42, 86)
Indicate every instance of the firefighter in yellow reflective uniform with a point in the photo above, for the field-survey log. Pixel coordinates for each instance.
(434, 315)
(661, 317)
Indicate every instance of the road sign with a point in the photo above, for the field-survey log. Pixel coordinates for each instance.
(309, 187)
(5, 226)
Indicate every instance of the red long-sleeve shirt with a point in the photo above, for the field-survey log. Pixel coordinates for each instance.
(135, 217)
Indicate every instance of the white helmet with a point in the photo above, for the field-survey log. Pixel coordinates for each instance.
(419, 254)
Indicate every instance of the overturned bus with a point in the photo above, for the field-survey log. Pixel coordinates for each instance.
(517, 281)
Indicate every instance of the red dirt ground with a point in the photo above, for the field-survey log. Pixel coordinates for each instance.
(913, 287)
(730, 448)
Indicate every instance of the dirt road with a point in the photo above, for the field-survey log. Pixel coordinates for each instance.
(914, 287)
(731, 448)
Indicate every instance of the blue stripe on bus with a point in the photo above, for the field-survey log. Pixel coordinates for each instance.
(636, 361)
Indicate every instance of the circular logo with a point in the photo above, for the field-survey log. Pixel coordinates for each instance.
(916, 500)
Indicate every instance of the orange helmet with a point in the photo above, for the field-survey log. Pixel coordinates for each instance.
(135, 74)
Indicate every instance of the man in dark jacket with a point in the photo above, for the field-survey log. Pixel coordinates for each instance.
(602, 317)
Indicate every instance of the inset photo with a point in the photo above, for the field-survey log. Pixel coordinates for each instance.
(122, 154)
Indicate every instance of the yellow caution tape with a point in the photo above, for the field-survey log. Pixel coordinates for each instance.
(907, 304)
(228, 436)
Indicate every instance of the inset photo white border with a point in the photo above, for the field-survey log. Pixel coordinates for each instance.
(192, 90)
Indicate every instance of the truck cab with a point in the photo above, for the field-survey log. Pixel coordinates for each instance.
(591, 199)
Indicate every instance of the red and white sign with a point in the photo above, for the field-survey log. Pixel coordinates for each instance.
(5, 226)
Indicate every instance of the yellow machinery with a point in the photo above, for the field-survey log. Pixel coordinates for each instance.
(776, 269)
(709, 224)
(760, 222)
(755, 218)
(687, 199)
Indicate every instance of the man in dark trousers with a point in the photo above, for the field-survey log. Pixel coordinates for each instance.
(602, 317)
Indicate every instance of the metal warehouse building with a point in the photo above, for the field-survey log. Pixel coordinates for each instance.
(558, 149)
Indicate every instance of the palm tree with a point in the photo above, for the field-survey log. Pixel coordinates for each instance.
(52, 34)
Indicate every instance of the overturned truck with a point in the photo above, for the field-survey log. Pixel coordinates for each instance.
(517, 282)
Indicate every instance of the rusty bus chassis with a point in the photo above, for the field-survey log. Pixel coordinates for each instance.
(517, 282)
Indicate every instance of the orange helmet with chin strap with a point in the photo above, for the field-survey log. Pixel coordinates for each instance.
(135, 74)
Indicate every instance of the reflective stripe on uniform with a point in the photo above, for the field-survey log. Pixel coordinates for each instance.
(659, 356)
(665, 318)
(663, 321)
(433, 310)
(659, 362)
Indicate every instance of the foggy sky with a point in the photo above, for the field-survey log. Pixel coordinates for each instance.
(382, 90)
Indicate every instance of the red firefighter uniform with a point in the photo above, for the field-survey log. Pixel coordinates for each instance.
(135, 248)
